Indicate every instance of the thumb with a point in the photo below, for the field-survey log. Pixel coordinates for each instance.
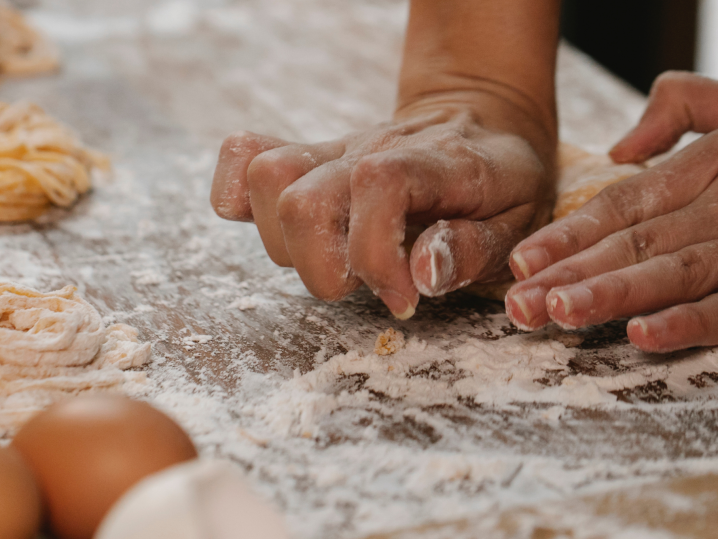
(453, 254)
(679, 102)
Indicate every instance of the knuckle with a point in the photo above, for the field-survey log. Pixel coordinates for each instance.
(262, 166)
(237, 144)
(619, 284)
(638, 244)
(377, 171)
(334, 288)
(568, 236)
(296, 206)
(699, 318)
(690, 268)
(669, 81)
(271, 169)
(618, 201)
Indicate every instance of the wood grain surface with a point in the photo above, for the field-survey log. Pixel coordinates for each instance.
(158, 90)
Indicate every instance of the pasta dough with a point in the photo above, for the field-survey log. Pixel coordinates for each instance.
(54, 344)
(23, 51)
(41, 163)
(582, 175)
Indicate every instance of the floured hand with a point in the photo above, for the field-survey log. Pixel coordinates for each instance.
(646, 245)
(337, 211)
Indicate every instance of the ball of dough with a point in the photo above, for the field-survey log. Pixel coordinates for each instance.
(195, 500)
(88, 451)
(19, 498)
(583, 175)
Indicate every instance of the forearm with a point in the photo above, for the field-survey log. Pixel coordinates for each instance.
(497, 57)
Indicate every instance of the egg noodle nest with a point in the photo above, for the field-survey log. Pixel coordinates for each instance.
(23, 51)
(41, 163)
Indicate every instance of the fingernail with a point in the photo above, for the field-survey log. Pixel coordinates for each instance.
(521, 302)
(399, 306)
(530, 303)
(654, 328)
(642, 324)
(531, 261)
(577, 298)
(442, 266)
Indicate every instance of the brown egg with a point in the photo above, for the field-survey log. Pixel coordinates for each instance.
(86, 452)
(19, 498)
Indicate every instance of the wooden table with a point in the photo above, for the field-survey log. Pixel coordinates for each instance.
(158, 85)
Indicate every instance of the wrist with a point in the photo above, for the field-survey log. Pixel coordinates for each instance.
(491, 105)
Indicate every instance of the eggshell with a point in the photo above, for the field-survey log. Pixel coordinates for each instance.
(19, 498)
(196, 500)
(88, 451)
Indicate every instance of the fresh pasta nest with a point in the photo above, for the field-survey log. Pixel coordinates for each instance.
(23, 51)
(41, 163)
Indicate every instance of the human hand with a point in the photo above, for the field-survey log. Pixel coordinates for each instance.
(648, 244)
(337, 211)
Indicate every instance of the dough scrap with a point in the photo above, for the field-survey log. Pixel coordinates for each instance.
(389, 342)
(41, 163)
(55, 344)
(23, 50)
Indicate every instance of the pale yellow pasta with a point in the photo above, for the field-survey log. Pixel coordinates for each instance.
(41, 163)
(23, 51)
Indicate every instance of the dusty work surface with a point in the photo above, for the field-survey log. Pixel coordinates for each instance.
(469, 416)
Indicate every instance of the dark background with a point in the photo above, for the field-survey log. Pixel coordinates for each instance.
(636, 39)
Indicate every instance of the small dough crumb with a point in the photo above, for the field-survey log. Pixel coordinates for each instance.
(196, 339)
(389, 342)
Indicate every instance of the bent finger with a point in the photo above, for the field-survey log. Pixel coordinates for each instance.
(387, 187)
(314, 215)
(677, 328)
(679, 102)
(230, 192)
(272, 172)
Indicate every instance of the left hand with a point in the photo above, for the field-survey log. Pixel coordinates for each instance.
(648, 244)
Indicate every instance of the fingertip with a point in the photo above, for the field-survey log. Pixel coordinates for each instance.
(648, 333)
(629, 150)
(400, 306)
(227, 197)
(620, 154)
(527, 308)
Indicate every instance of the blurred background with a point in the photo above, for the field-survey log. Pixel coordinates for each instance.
(639, 39)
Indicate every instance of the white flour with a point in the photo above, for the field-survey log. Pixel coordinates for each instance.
(469, 416)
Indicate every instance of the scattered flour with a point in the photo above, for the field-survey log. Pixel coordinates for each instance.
(470, 418)
(196, 339)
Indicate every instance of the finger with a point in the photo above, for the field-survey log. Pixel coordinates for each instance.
(314, 215)
(679, 102)
(682, 326)
(452, 254)
(272, 172)
(426, 184)
(660, 190)
(665, 234)
(230, 193)
(687, 275)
